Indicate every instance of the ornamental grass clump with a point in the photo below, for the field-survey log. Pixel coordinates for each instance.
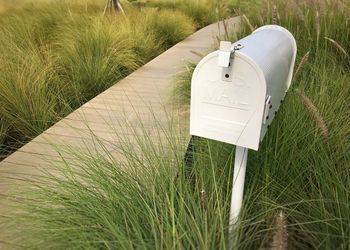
(140, 196)
(56, 56)
(203, 12)
(93, 58)
(168, 26)
(27, 103)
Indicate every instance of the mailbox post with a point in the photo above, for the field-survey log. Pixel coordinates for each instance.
(236, 92)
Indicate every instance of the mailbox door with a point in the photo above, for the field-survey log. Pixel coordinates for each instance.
(229, 110)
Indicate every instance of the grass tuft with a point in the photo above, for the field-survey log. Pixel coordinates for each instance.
(169, 26)
(59, 55)
(203, 12)
(148, 200)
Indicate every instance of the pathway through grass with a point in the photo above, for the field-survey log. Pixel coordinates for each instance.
(301, 169)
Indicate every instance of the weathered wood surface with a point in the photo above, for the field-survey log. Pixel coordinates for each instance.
(141, 96)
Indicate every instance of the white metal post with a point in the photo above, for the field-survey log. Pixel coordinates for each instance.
(238, 184)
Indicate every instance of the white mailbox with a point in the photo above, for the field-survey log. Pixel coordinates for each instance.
(237, 90)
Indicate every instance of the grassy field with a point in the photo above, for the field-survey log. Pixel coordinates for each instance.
(57, 55)
(297, 189)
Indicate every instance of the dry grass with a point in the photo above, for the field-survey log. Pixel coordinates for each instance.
(318, 26)
(314, 112)
(303, 61)
(248, 23)
(337, 46)
(280, 235)
(274, 15)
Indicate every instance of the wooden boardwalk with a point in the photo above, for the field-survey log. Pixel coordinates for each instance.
(141, 96)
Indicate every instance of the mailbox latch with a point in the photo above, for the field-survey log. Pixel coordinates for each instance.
(226, 56)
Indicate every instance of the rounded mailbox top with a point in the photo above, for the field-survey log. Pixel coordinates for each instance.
(236, 90)
(281, 29)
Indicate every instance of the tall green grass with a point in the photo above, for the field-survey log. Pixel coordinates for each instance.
(302, 166)
(153, 201)
(174, 24)
(147, 200)
(203, 12)
(56, 56)
(93, 58)
(3, 132)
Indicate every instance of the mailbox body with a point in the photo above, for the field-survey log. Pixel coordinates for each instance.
(235, 104)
